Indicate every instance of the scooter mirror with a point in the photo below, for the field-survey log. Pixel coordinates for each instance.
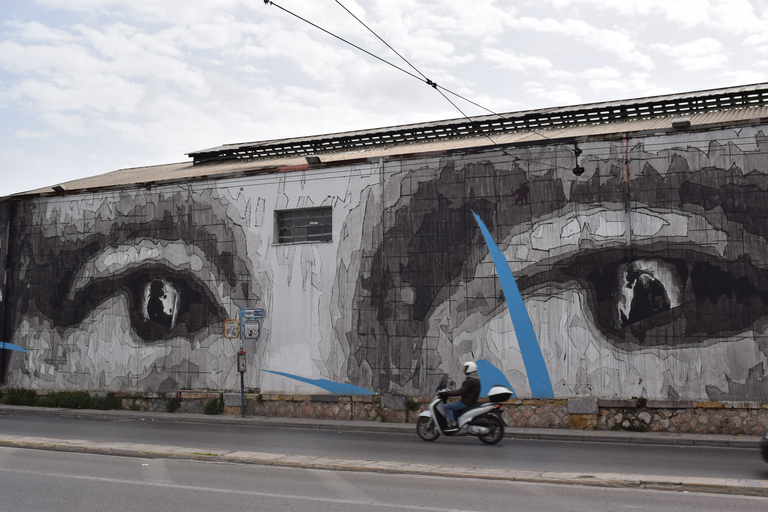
(443, 382)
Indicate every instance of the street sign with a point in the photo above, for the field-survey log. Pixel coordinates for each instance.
(252, 313)
(251, 329)
(231, 328)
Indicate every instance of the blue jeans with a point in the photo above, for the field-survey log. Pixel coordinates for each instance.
(453, 407)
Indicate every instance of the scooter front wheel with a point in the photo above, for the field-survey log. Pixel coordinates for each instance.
(427, 429)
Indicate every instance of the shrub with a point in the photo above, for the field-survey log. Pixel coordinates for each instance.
(173, 404)
(61, 399)
(214, 406)
(106, 403)
(17, 396)
(66, 400)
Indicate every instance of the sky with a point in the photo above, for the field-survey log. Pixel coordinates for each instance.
(92, 86)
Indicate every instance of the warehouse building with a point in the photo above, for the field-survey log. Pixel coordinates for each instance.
(609, 250)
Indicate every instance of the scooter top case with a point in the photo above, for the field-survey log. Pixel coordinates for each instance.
(499, 393)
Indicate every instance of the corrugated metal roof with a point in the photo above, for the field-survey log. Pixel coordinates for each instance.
(493, 125)
(705, 110)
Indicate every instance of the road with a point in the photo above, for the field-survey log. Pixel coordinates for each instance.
(38, 480)
(520, 454)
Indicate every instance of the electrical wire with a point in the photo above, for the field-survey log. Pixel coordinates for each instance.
(429, 82)
(423, 78)
(426, 80)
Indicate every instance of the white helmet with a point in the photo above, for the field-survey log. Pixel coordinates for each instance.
(469, 367)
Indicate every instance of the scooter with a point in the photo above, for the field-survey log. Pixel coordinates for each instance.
(483, 419)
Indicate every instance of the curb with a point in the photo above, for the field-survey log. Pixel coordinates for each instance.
(613, 480)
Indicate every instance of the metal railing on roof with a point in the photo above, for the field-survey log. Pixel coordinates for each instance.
(596, 113)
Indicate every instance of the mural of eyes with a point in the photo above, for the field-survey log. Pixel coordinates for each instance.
(165, 301)
(686, 298)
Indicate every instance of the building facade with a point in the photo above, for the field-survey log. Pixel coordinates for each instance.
(614, 250)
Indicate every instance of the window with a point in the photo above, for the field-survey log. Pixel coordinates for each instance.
(309, 225)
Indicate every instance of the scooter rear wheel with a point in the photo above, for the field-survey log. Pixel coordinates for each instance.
(495, 431)
(427, 429)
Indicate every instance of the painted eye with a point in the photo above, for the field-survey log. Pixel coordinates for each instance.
(689, 298)
(166, 304)
(163, 303)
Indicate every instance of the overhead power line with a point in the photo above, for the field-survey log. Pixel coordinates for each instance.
(422, 78)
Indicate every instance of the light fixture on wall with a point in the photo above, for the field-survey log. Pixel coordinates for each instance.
(311, 159)
(577, 170)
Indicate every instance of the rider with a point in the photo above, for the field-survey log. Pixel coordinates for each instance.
(469, 392)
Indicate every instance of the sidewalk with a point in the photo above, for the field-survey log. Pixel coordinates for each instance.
(715, 485)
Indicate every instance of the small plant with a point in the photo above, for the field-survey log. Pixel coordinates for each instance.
(411, 404)
(173, 404)
(134, 407)
(214, 406)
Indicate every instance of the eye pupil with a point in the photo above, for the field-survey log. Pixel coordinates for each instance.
(650, 297)
(649, 289)
(161, 303)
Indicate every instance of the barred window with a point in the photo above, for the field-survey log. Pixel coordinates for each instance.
(306, 225)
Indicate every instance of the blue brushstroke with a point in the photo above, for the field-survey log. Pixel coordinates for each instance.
(491, 376)
(538, 376)
(330, 386)
(11, 346)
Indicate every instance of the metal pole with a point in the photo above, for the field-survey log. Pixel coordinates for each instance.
(242, 395)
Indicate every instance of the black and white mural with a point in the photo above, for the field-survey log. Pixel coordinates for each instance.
(644, 275)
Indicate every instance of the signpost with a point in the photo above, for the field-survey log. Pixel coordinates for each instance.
(250, 321)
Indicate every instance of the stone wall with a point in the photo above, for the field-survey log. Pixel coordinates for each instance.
(746, 418)
(734, 418)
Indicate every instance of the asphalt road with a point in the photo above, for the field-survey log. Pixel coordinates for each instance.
(38, 480)
(521, 454)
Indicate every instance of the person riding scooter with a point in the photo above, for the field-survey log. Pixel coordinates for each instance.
(469, 392)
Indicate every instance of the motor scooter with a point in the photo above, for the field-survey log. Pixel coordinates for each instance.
(484, 419)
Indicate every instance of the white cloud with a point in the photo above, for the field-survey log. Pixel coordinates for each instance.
(557, 95)
(702, 54)
(515, 62)
(613, 41)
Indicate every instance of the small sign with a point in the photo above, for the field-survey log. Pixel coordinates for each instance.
(253, 313)
(251, 329)
(241, 361)
(231, 328)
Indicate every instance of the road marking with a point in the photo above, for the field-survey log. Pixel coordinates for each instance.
(360, 503)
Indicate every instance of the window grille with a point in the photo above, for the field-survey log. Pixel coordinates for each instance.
(306, 225)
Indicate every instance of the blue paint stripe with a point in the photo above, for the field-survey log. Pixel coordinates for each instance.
(335, 388)
(491, 376)
(11, 346)
(538, 376)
